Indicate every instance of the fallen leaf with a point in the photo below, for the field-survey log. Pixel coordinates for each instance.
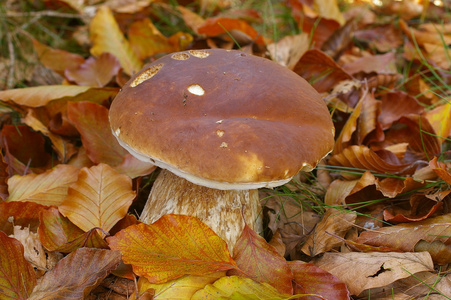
(374, 269)
(107, 37)
(218, 25)
(440, 120)
(49, 188)
(25, 214)
(99, 198)
(405, 236)
(77, 274)
(289, 49)
(17, 277)
(440, 169)
(91, 120)
(440, 253)
(57, 233)
(261, 262)
(33, 251)
(336, 222)
(182, 288)
(56, 59)
(4, 175)
(396, 105)
(382, 64)
(42, 95)
(234, 287)
(320, 70)
(383, 38)
(96, 72)
(309, 279)
(26, 145)
(173, 246)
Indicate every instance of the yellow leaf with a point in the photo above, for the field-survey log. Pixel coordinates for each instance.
(99, 198)
(106, 36)
(49, 188)
(181, 288)
(234, 287)
(173, 246)
(440, 119)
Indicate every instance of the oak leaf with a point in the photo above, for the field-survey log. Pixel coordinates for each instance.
(17, 277)
(173, 246)
(99, 198)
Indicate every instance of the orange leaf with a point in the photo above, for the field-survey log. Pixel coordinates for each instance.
(25, 214)
(77, 274)
(4, 175)
(95, 71)
(440, 119)
(218, 25)
(173, 246)
(99, 198)
(55, 59)
(440, 169)
(57, 233)
(261, 262)
(91, 120)
(49, 188)
(309, 279)
(106, 36)
(396, 105)
(17, 277)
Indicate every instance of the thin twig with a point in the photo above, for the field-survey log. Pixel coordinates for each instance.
(12, 60)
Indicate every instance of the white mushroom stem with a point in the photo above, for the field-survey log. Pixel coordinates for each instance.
(221, 210)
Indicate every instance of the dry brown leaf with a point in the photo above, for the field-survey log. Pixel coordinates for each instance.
(335, 222)
(396, 105)
(33, 251)
(76, 275)
(405, 236)
(381, 64)
(49, 188)
(374, 269)
(384, 38)
(99, 198)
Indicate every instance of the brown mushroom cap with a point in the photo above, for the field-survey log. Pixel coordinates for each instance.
(223, 119)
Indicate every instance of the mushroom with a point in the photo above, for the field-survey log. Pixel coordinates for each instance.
(220, 124)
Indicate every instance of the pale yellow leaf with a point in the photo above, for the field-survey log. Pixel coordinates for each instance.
(49, 188)
(100, 197)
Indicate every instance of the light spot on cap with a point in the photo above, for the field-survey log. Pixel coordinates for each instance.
(199, 53)
(219, 122)
(117, 132)
(147, 74)
(224, 145)
(220, 132)
(180, 56)
(196, 90)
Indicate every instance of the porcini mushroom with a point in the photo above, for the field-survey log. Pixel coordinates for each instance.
(221, 124)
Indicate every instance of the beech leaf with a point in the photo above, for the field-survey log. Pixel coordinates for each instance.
(77, 274)
(41, 95)
(405, 236)
(99, 198)
(182, 288)
(91, 120)
(17, 277)
(25, 214)
(106, 36)
(234, 287)
(48, 188)
(361, 271)
(57, 233)
(261, 262)
(173, 246)
(309, 279)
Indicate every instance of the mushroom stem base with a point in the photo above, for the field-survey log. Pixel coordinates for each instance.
(221, 210)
